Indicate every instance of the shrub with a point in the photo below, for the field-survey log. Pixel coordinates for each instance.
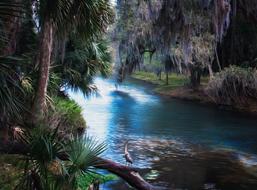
(67, 115)
(56, 163)
(233, 85)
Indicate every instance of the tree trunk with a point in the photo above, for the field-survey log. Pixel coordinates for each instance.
(11, 27)
(44, 60)
(217, 57)
(195, 77)
(167, 78)
(210, 71)
(129, 174)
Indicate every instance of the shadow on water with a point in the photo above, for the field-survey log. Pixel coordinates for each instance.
(121, 119)
(177, 166)
(121, 94)
(178, 144)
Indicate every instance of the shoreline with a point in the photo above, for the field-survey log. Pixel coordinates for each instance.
(196, 95)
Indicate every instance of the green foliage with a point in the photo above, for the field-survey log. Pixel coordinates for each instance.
(87, 17)
(159, 27)
(152, 63)
(85, 54)
(42, 167)
(80, 24)
(66, 114)
(8, 10)
(84, 181)
(175, 80)
(16, 70)
(9, 174)
(54, 163)
(11, 91)
(82, 61)
(82, 153)
(233, 85)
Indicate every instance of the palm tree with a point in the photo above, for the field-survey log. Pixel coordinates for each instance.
(10, 19)
(45, 167)
(86, 18)
(11, 94)
(82, 60)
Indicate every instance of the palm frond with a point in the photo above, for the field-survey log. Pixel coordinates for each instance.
(83, 156)
(83, 152)
(10, 8)
(82, 61)
(44, 170)
(11, 91)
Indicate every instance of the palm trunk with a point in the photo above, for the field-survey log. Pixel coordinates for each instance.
(195, 77)
(44, 60)
(11, 27)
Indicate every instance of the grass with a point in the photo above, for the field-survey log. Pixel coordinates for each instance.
(175, 80)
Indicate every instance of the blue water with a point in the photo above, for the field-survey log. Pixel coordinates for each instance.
(132, 112)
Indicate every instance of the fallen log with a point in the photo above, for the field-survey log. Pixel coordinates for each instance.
(129, 174)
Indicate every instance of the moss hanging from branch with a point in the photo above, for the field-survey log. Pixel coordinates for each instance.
(163, 25)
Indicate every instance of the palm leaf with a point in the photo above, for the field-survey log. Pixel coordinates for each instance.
(11, 91)
(45, 147)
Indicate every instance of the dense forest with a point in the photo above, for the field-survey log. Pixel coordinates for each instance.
(47, 47)
(191, 49)
(194, 38)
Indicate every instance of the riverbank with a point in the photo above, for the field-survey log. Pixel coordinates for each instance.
(171, 139)
(178, 88)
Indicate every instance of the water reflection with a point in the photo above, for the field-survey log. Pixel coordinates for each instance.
(122, 119)
(177, 144)
(177, 166)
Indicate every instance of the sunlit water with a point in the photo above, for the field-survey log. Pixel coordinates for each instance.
(179, 144)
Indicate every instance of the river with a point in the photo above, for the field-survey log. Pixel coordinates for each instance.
(178, 144)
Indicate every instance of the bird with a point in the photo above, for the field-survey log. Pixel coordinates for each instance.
(127, 155)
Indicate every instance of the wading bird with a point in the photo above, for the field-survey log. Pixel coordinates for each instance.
(127, 155)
